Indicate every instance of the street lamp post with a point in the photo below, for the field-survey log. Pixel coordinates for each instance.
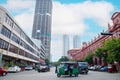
(110, 34)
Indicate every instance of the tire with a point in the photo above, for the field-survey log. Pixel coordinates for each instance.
(48, 69)
(58, 75)
(4, 74)
(16, 71)
(70, 75)
(39, 70)
(76, 75)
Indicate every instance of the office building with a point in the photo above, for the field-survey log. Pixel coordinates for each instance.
(65, 44)
(15, 45)
(42, 24)
(76, 41)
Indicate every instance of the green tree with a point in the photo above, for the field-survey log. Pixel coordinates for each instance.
(99, 53)
(11, 64)
(112, 47)
(47, 61)
(63, 58)
(89, 58)
(55, 63)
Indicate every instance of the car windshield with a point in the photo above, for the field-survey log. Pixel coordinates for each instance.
(82, 64)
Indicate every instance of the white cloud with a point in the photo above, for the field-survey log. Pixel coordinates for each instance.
(26, 22)
(19, 6)
(70, 17)
(56, 47)
(66, 18)
(23, 12)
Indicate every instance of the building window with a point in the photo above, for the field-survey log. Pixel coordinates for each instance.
(27, 54)
(31, 56)
(9, 21)
(3, 44)
(23, 44)
(23, 35)
(17, 29)
(6, 32)
(15, 38)
(21, 52)
(29, 48)
(13, 49)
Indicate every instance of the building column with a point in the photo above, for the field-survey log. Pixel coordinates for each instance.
(1, 58)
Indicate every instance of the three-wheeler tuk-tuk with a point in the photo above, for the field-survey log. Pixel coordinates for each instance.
(67, 68)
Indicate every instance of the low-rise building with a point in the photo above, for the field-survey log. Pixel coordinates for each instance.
(97, 41)
(72, 53)
(15, 45)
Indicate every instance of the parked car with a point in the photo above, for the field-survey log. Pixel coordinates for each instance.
(28, 68)
(92, 68)
(99, 67)
(14, 69)
(105, 69)
(22, 68)
(95, 67)
(83, 67)
(43, 68)
(110, 69)
(3, 72)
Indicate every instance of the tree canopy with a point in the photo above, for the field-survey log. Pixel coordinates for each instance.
(99, 52)
(89, 58)
(63, 58)
(47, 61)
(112, 47)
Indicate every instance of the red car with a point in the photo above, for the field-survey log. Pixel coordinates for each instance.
(3, 72)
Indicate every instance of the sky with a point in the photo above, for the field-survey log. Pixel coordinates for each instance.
(86, 18)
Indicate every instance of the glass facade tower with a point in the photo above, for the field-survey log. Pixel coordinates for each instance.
(42, 23)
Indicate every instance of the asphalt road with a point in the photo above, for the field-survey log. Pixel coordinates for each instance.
(34, 75)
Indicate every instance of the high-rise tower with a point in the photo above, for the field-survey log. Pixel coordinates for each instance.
(76, 41)
(65, 44)
(42, 23)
